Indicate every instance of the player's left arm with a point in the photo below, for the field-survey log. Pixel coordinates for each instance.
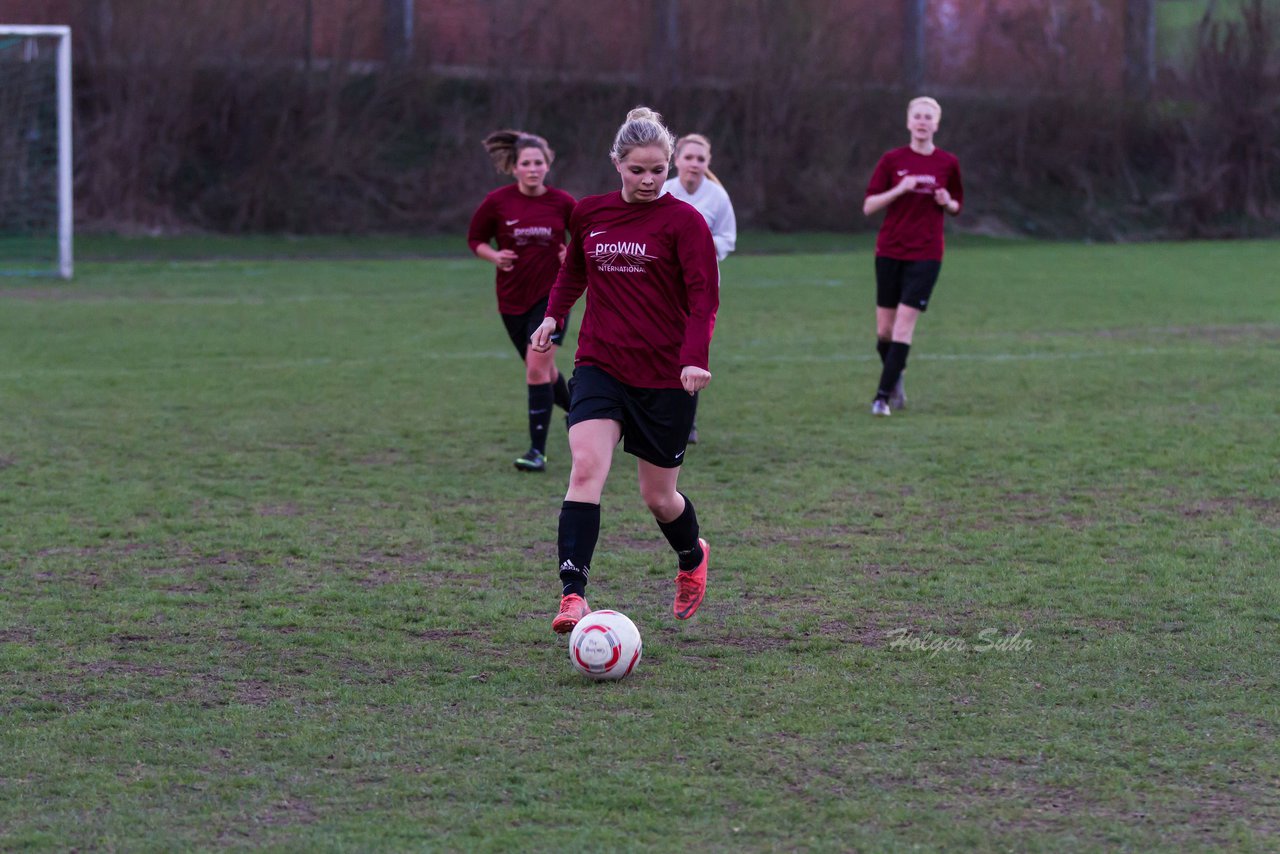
(567, 212)
(725, 233)
(951, 197)
(570, 282)
(696, 252)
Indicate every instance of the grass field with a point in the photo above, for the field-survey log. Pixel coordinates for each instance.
(268, 577)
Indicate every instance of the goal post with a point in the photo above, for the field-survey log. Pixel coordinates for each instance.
(36, 221)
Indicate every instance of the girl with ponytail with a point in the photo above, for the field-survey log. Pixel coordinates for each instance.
(527, 221)
(696, 184)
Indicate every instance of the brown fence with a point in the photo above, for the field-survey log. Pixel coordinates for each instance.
(337, 115)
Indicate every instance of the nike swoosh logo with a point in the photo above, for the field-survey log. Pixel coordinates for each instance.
(512, 221)
(679, 455)
(594, 233)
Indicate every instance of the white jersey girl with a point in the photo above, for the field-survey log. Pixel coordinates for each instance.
(696, 184)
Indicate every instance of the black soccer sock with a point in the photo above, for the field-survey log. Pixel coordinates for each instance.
(894, 364)
(882, 347)
(682, 533)
(561, 389)
(540, 398)
(576, 541)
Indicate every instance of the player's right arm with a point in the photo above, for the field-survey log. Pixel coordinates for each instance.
(880, 201)
(881, 191)
(503, 259)
(483, 229)
(570, 282)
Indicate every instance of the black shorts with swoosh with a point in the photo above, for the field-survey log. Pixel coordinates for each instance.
(655, 421)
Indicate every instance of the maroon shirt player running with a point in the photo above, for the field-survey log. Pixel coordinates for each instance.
(917, 183)
(528, 221)
(649, 263)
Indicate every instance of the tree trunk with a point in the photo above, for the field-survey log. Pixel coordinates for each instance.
(1139, 48)
(399, 31)
(913, 64)
(665, 53)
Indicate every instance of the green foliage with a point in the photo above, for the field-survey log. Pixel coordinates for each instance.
(271, 580)
(1178, 20)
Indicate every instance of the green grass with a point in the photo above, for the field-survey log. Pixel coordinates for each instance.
(270, 579)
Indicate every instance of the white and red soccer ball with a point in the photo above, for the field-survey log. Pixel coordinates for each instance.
(605, 645)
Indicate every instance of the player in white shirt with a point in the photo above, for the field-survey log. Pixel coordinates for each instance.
(696, 184)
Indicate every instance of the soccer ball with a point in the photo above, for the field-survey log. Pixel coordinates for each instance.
(605, 645)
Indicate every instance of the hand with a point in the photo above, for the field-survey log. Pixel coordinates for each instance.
(942, 197)
(540, 340)
(694, 379)
(564, 250)
(505, 259)
(908, 183)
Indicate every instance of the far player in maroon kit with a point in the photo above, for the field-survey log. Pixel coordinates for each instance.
(528, 220)
(649, 263)
(916, 183)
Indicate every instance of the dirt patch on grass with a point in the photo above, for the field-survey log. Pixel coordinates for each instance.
(288, 508)
(388, 457)
(1100, 625)
(127, 668)
(287, 812)
(1014, 790)
(442, 634)
(97, 552)
(1265, 510)
(255, 692)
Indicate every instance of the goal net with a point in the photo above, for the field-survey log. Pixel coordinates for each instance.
(35, 150)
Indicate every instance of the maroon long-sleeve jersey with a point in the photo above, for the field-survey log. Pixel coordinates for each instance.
(652, 283)
(912, 227)
(532, 226)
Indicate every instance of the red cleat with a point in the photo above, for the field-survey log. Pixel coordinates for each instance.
(691, 587)
(572, 608)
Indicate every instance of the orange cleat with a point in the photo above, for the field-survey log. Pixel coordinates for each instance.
(572, 609)
(691, 587)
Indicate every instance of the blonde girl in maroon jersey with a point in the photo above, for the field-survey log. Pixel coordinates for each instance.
(917, 184)
(649, 262)
(527, 220)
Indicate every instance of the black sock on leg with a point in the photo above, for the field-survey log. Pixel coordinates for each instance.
(576, 542)
(561, 389)
(894, 363)
(882, 347)
(682, 533)
(540, 398)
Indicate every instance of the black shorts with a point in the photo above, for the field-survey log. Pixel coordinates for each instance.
(655, 421)
(905, 282)
(522, 326)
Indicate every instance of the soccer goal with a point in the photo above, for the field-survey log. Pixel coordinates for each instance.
(35, 150)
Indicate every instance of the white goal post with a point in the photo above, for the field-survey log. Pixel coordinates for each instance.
(19, 46)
